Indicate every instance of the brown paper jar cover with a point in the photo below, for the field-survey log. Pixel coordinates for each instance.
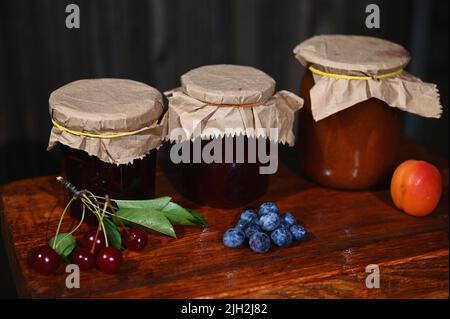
(230, 100)
(107, 107)
(363, 56)
(349, 130)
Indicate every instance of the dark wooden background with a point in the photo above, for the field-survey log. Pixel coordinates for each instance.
(155, 41)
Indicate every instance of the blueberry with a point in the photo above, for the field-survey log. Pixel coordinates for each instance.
(233, 238)
(283, 224)
(250, 230)
(248, 215)
(259, 242)
(281, 237)
(241, 225)
(269, 222)
(298, 232)
(268, 207)
(289, 218)
(255, 222)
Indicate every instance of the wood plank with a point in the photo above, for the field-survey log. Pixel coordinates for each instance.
(349, 230)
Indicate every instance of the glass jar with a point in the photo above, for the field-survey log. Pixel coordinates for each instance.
(108, 131)
(224, 185)
(126, 181)
(355, 90)
(352, 149)
(236, 106)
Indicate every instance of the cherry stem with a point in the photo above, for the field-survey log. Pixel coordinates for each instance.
(60, 221)
(94, 208)
(69, 186)
(76, 228)
(101, 226)
(119, 219)
(91, 206)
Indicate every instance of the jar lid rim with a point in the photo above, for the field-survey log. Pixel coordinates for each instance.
(228, 84)
(357, 53)
(105, 105)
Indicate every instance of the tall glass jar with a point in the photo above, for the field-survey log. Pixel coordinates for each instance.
(355, 88)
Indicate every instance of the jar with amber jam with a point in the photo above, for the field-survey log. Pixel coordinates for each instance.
(108, 131)
(224, 126)
(355, 89)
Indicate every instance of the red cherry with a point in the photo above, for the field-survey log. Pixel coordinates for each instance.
(88, 240)
(109, 260)
(83, 258)
(45, 260)
(135, 238)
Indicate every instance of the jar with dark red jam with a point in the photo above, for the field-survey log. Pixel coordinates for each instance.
(225, 184)
(355, 90)
(108, 131)
(236, 108)
(125, 181)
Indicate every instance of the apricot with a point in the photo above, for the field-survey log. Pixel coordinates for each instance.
(416, 187)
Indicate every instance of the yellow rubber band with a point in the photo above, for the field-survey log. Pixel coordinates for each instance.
(78, 133)
(235, 105)
(354, 77)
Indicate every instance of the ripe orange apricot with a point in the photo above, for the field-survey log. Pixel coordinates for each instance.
(416, 187)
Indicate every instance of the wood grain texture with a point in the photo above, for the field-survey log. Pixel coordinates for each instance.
(349, 230)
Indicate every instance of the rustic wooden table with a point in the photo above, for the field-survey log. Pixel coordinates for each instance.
(349, 230)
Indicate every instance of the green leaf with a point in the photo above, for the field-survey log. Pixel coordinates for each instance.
(112, 233)
(65, 244)
(200, 219)
(177, 214)
(148, 218)
(156, 204)
(156, 214)
(65, 254)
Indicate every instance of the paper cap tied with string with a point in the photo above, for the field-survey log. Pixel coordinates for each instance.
(349, 69)
(230, 100)
(116, 120)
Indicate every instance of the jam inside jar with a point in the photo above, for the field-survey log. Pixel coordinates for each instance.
(224, 184)
(352, 149)
(126, 181)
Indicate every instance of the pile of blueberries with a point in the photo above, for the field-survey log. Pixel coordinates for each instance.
(263, 227)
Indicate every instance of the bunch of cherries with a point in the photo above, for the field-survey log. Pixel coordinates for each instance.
(92, 251)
